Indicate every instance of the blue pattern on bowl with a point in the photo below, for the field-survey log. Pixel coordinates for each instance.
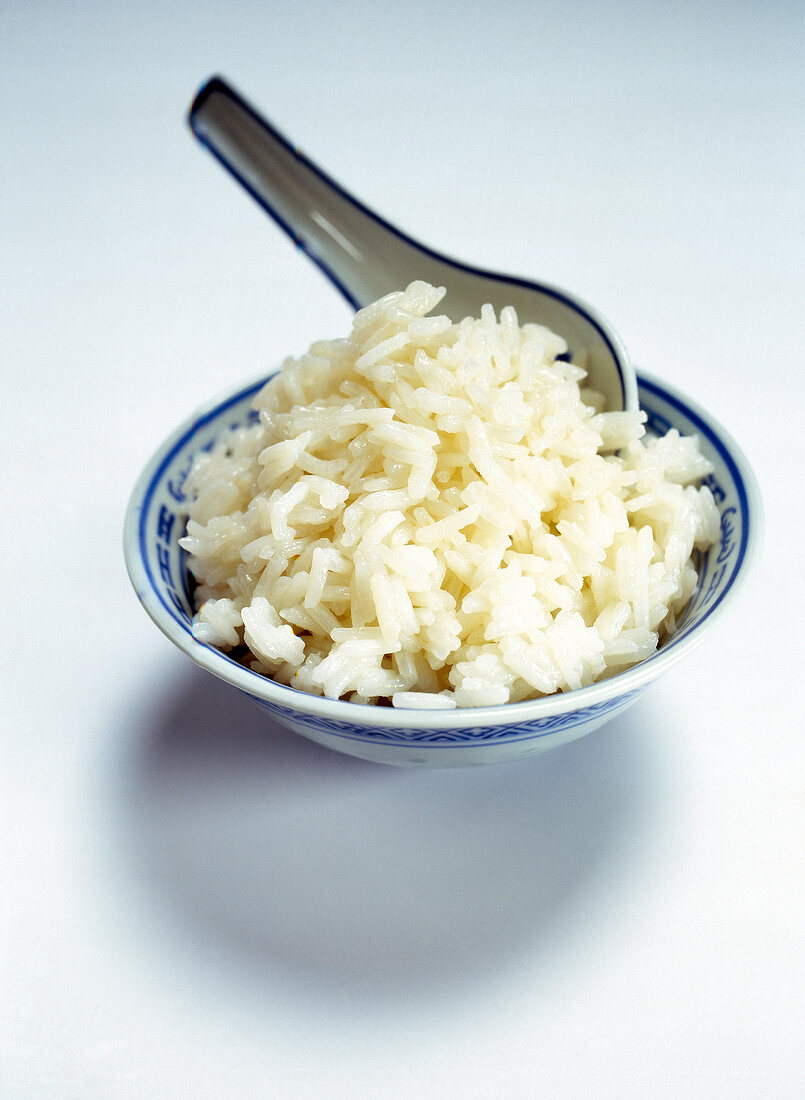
(460, 735)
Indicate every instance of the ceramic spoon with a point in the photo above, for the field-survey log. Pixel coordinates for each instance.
(365, 257)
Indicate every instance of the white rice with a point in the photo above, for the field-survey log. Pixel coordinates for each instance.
(437, 514)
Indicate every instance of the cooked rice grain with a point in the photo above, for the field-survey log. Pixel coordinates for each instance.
(436, 514)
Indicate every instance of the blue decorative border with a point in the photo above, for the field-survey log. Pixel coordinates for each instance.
(452, 737)
(177, 613)
(726, 547)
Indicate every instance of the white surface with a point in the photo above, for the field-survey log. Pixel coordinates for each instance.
(195, 904)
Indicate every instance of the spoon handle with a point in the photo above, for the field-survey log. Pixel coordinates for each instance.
(362, 255)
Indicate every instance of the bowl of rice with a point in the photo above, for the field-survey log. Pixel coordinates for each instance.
(427, 543)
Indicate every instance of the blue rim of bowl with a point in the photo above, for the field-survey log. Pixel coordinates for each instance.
(623, 685)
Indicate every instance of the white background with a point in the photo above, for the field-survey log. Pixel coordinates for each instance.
(196, 904)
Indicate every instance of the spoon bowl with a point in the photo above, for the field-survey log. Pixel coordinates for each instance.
(365, 257)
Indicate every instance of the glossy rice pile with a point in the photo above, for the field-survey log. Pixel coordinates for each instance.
(432, 513)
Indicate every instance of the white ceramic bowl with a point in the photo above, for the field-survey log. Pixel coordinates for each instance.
(480, 735)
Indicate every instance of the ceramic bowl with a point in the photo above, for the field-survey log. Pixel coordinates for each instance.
(155, 521)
